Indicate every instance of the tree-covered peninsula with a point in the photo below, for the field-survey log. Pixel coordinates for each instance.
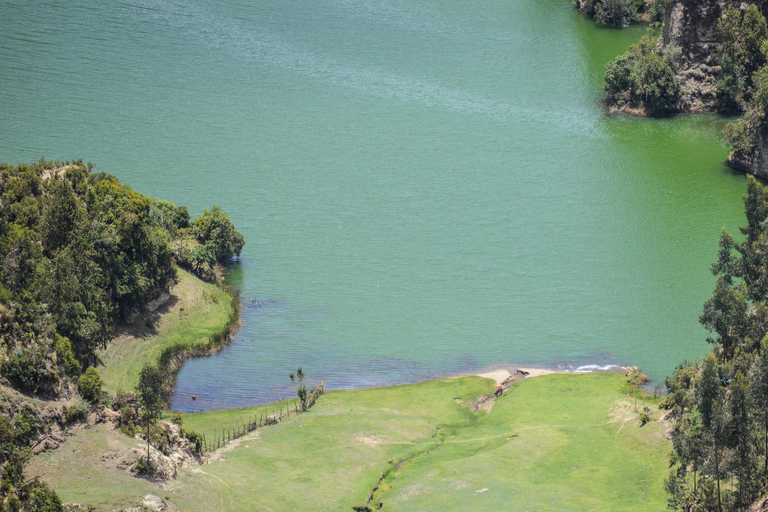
(81, 252)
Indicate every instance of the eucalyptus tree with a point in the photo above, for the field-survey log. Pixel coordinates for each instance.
(758, 396)
(710, 401)
(150, 392)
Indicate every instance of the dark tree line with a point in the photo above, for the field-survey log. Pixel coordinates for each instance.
(720, 404)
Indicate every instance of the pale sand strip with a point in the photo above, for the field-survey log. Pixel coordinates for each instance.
(498, 375)
(501, 375)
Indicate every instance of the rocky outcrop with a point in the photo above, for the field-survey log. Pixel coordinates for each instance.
(173, 452)
(757, 162)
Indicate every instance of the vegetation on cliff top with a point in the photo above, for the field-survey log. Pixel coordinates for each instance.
(620, 13)
(80, 251)
(741, 52)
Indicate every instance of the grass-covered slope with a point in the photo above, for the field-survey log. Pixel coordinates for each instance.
(196, 311)
(557, 442)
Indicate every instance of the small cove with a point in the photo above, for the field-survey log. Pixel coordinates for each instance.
(426, 188)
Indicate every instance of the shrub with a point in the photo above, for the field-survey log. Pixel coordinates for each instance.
(194, 438)
(741, 136)
(28, 369)
(90, 384)
(644, 418)
(75, 412)
(143, 467)
(129, 421)
(656, 11)
(40, 498)
(635, 377)
(65, 355)
(25, 425)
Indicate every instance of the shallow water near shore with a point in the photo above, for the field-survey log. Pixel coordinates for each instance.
(426, 188)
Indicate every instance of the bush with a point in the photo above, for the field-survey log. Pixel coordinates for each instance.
(40, 498)
(741, 136)
(644, 418)
(25, 425)
(194, 438)
(129, 421)
(635, 377)
(656, 11)
(78, 411)
(90, 384)
(143, 467)
(28, 369)
(65, 355)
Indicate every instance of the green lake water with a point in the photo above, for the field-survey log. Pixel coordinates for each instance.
(426, 187)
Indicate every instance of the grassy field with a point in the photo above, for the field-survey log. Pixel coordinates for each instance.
(195, 311)
(556, 442)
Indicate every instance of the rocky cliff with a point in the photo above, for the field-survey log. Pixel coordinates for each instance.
(757, 162)
(692, 26)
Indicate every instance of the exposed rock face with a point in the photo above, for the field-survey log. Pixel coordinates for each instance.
(586, 6)
(691, 25)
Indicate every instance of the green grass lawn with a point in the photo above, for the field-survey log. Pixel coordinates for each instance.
(556, 442)
(191, 316)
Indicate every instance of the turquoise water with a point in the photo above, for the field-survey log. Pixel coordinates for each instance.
(426, 187)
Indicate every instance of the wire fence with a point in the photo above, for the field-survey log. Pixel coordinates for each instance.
(279, 411)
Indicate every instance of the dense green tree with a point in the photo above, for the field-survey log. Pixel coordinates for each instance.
(621, 78)
(78, 252)
(64, 220)
(659, 88)
(643, 76)
(615, 13)
(721, 427)
(725, 313)
(214, 230)
(739, 436)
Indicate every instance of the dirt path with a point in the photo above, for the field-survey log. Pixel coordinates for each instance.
(505, 379)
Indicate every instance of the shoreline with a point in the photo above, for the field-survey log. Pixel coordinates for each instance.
(203, 403)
